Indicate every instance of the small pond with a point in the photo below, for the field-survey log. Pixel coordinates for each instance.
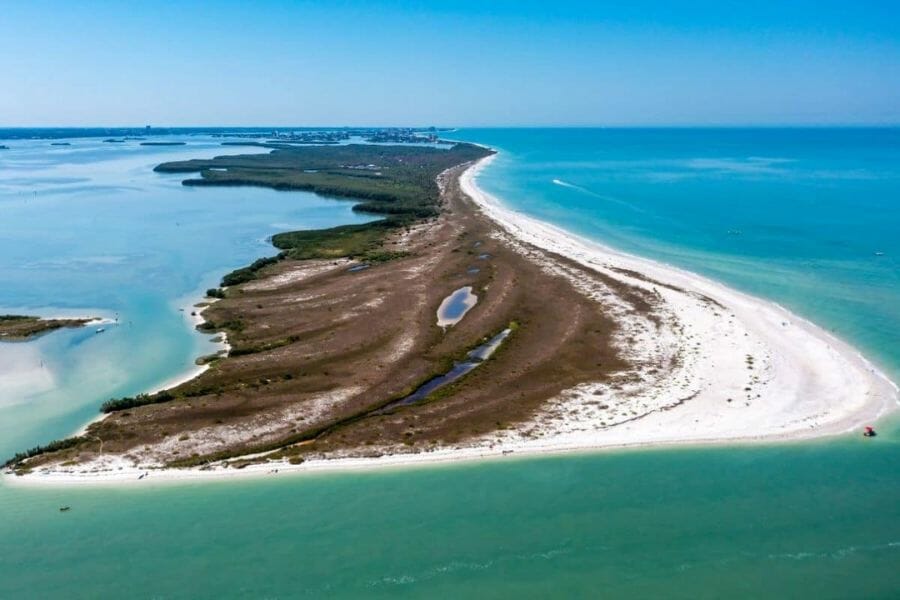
(455, 306)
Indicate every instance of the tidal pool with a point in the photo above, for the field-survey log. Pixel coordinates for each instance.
(455, 306)
(473, 359)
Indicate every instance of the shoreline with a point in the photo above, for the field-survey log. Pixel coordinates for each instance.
(127, 475)
(778, 328)
(195, 370)
(194, 314)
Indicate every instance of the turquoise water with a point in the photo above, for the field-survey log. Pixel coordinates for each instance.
(762, 522)
(794, 215)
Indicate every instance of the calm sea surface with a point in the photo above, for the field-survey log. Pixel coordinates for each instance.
(809, 218)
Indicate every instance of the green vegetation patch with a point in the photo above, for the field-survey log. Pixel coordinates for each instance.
(51, 447)
(398, 182)
(248, 273)
(392, 180)
(335, 242)
(117, 404)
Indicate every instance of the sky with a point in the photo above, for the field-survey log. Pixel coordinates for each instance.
(446, 63)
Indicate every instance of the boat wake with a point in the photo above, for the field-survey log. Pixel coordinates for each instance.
(589, 192)
(569, 185)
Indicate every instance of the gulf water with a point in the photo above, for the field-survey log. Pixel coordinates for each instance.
(793, 215)
(807, 217)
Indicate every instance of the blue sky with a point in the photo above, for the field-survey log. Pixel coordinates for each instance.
(449, 63)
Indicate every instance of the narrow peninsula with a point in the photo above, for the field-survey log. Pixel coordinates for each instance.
(449, 327)
(25, 327)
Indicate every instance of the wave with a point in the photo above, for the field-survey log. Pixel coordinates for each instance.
(468, 566)
(835, 554)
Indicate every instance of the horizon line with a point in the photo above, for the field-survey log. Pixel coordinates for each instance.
(485, 126)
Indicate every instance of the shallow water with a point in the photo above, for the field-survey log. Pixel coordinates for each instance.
(815, 519)
(789, 521)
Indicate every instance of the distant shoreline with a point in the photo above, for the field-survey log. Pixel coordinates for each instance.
(24, 328)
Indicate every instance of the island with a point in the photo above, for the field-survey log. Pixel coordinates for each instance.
(316, 136)
(23, 327)
(450, 327)
(163, 143)
(380, 135)
(402, 136)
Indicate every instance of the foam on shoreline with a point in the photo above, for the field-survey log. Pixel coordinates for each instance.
(806, 382)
